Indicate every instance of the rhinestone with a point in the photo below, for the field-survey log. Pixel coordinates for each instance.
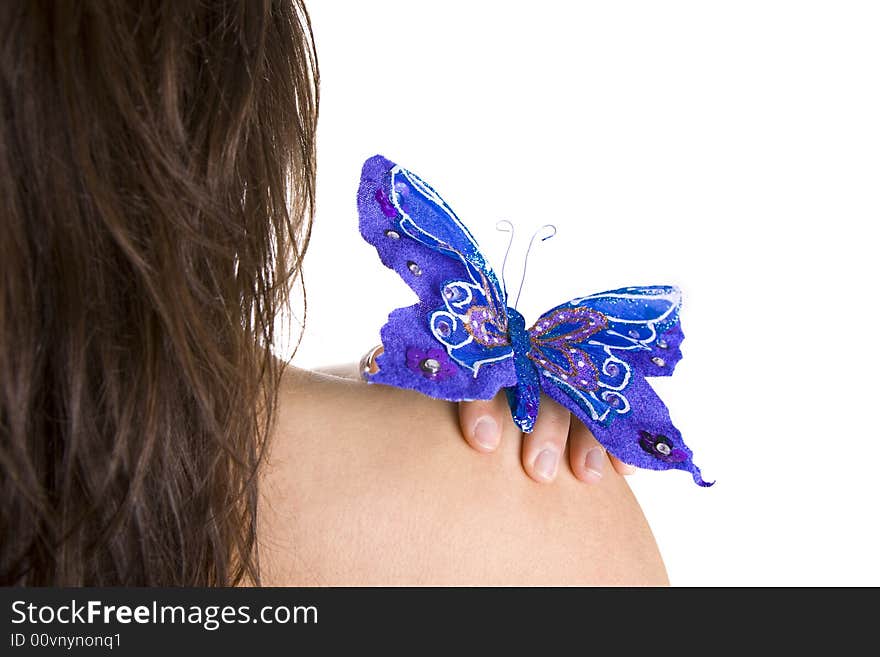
(612, 369)
(663, 448)
(614, 401)
(659, 362)
(430, 365)
(393, 234)
(565, 377)
(662, 344)
(444, 329)
(634, 334)
(581, 363)
(414, 268)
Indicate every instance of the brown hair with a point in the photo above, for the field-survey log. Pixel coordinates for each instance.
(157, 171)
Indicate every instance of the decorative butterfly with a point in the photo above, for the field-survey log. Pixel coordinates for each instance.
(462, 341)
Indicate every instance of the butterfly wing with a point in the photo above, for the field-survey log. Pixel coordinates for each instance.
(594, 353)
(453, 343)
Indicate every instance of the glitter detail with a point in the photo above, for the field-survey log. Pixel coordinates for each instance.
(661, 447)
(555, 333)
(659, 362)
(414, 268)
(393, 234)
(430, 366)
(575, 320)
(433, 364)
(481, 324)
(662, 343)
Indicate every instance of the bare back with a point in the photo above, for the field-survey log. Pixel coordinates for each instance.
(370, 485)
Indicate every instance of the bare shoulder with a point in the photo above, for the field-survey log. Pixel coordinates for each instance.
(374, 485)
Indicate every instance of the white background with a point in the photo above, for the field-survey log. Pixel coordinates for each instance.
(731, 148)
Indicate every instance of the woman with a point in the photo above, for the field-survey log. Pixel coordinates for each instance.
(157, 162)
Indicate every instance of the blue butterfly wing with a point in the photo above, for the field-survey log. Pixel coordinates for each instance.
(594, 353)
(453, 343)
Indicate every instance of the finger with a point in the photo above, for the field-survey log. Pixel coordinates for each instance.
(543, 448)
(621, 467)
(586, 456)
(481, 422)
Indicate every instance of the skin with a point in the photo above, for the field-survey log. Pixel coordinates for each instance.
(373, 485)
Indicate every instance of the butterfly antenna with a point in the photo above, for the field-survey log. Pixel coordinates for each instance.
(505, 227)
(522, 281)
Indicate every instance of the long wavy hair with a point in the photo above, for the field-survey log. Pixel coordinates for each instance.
(157, 163)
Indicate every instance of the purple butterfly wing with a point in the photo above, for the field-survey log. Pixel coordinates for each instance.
(452, 344)
(594, 354)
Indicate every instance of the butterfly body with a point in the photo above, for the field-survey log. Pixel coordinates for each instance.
(462, 341)
(524, 398)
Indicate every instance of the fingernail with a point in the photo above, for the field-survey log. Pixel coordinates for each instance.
(486, 433)
(595, 461)
(545, 464)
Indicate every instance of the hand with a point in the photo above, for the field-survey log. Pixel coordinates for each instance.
(543, 449)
